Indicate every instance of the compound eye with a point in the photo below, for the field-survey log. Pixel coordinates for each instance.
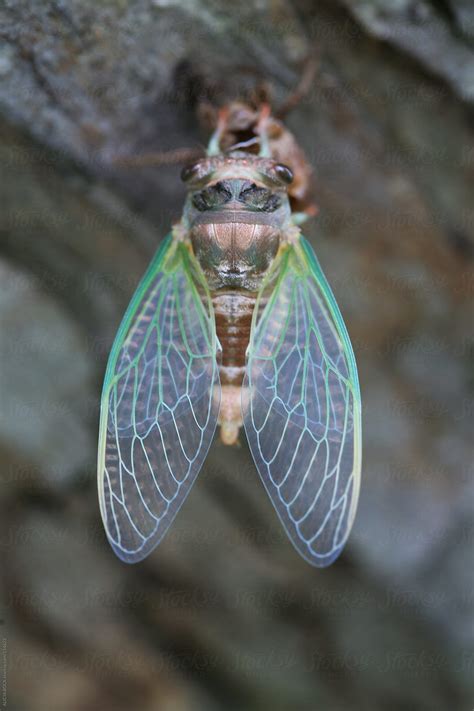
(284, 173)
(189, 171)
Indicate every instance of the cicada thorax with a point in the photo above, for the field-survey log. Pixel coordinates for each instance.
(236, 215)
(237, 232)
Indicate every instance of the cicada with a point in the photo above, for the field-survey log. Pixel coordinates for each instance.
(234, 325)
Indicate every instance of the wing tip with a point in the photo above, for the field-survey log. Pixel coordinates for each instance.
(131, 556)
(318, 560)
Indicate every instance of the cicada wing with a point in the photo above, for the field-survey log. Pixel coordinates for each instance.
(301, 405)
(159, 405)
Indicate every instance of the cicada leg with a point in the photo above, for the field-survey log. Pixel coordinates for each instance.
(303, 88)
(214, 145)
(262, 131)
(177, 155)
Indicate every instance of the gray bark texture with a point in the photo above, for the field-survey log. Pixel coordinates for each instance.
(224, 615)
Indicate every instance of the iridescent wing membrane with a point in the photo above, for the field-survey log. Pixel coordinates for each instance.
(301, 405)
(159, 404)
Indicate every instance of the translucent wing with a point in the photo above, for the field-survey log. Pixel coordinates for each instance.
(159, 404)
(301, 405)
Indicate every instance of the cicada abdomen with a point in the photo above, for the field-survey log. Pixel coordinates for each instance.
(234, 325)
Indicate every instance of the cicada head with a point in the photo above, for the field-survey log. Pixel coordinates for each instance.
(252, 128)
(236, 212)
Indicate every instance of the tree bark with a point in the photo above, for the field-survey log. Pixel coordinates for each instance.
(224, 614)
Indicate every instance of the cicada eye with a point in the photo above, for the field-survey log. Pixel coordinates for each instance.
(188, 172)
(284, 173)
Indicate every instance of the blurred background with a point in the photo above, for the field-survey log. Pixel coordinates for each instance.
(224, 614)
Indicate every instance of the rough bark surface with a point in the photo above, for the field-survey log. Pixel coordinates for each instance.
(224, 615)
